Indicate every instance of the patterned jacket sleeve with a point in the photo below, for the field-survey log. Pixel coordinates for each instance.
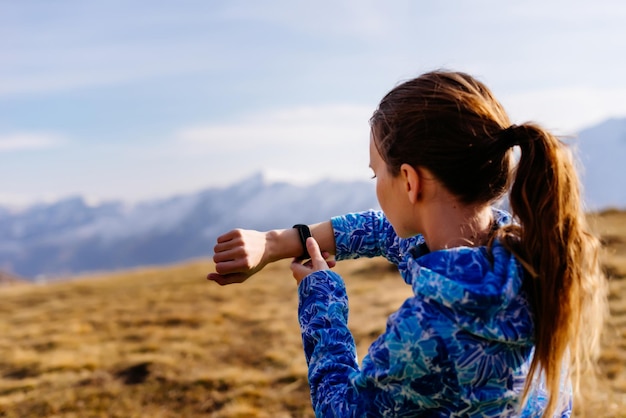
(339, 388)
(368, 234)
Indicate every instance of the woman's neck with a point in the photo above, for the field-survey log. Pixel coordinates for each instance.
(450, 224)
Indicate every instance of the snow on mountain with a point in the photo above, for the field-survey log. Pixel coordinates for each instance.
(70, 236)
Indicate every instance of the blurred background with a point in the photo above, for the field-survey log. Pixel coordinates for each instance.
(108, 105)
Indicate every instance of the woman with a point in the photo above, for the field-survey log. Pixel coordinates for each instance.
(496, 321)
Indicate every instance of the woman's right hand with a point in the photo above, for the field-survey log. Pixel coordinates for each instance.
(239, 254)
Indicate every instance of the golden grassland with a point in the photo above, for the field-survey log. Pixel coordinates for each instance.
(163, 342)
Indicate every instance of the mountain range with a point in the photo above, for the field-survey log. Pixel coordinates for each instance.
(70, 236)
(602, 153)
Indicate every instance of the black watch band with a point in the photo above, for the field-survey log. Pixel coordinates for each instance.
(303, 232)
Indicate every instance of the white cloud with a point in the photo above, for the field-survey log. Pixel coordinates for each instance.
(361, 19)
(317, 126)
(566, 110)
(300, 144)
(29, 141)
(69, 67)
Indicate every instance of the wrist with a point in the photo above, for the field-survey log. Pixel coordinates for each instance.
(283, 243)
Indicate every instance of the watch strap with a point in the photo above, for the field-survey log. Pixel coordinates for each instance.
(303, 232)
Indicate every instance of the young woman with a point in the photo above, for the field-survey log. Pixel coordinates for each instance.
(506, 308)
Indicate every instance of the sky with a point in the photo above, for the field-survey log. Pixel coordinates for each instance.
(137, 100)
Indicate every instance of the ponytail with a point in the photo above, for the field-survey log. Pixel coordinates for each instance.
(560, 256)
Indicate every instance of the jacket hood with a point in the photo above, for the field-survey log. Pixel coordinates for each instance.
(478, 288)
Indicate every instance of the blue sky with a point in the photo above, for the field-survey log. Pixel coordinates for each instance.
(143, 99)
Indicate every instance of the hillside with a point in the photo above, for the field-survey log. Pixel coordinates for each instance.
(163, 342)
(8, 279)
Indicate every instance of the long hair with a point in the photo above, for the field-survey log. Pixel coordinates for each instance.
(451, 124)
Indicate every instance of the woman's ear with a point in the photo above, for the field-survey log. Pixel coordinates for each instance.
(412, 182)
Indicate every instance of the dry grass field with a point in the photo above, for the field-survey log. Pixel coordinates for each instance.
(163, 342)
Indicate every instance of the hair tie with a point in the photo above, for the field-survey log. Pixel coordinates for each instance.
(509, 136)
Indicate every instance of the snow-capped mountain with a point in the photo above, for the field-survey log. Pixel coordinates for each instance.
(69, 237)
(602, 152)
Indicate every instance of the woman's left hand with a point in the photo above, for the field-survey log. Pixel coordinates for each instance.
(316, 263)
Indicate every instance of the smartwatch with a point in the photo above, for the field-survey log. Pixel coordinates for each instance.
(303, 232)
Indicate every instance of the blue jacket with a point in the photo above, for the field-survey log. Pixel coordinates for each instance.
(461, 346)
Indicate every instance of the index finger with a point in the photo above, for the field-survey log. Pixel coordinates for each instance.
(316, 256)
(230, 235)
(228, 241)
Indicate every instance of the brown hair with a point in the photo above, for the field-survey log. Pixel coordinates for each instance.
(451, 124)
